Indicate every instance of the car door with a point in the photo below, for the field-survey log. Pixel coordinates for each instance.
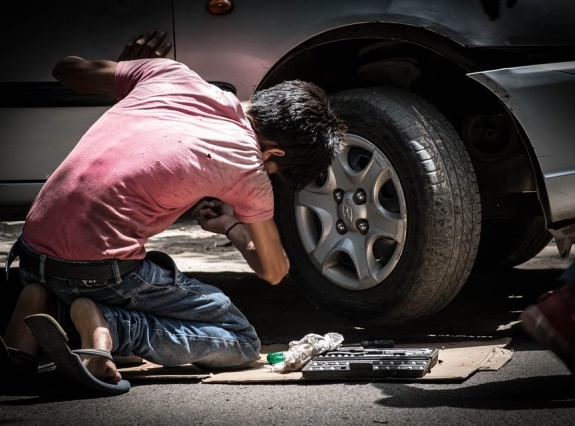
(40, 121)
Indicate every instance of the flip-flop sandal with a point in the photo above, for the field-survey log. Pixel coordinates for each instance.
(7, 354)
(22, 376)
(31, 364)
(53, 340)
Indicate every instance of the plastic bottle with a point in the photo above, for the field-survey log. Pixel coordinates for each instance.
(275, 357)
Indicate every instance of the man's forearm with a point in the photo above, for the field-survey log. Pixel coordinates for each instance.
(269, 263)
(97, 76)
(90, 77)
(240, 238)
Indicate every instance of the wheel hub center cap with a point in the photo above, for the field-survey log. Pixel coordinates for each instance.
(349, 212)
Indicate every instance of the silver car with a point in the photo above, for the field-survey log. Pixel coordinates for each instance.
(459, 155)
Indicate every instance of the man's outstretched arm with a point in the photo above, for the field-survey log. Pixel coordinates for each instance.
(96, 77)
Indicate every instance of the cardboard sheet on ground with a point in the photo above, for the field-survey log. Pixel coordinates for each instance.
(457, 361)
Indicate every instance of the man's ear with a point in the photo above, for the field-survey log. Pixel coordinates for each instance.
(268, 153)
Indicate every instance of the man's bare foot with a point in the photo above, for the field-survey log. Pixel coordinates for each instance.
(95, 334)
(33, 299)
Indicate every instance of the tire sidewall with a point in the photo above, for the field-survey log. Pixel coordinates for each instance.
(396, 298)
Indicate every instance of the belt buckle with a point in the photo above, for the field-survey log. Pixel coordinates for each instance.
(90, 283)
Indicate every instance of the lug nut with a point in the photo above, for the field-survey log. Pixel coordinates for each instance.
(340, 227)
(338, 195)
(362, 226)
(360, 197)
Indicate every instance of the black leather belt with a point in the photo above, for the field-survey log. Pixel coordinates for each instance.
(74, 270)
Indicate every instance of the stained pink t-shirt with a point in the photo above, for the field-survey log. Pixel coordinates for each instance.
(170, 140)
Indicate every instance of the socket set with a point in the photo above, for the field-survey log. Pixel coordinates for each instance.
(361, 363)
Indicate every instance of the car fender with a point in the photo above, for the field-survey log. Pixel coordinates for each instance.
(255, 35)
(541, 99)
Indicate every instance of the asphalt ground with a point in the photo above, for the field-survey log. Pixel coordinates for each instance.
(533, 388)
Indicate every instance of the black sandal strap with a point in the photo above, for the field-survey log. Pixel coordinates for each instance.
(22, 356)
(92, 352)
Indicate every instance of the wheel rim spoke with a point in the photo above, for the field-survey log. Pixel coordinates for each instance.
(350, 256)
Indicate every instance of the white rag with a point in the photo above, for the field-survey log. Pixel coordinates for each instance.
(301, 351)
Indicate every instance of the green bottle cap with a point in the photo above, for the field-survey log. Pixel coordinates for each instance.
(275, 357)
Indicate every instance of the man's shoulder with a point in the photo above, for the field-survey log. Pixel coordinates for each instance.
(129, 74)
(155, 66)
(153, 63)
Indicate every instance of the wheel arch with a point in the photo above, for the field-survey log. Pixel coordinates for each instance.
(343, 58)
(302, 61)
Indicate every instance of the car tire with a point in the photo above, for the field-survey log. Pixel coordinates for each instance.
(506, 243)
(389, 233)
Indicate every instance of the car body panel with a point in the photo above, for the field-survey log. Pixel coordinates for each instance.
(256, 35)
(39, 125)
(43, 32)
(542, 100)
(28, 134)
(241, 48)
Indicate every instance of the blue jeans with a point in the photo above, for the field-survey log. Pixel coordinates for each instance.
(569, 275)
(165, 317)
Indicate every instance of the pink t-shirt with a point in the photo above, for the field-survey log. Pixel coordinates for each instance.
(170, 140)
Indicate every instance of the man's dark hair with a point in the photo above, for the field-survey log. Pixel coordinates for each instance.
(297, 116)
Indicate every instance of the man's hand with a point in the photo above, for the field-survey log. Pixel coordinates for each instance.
(214, 215)
(259, 243)
(147, 45)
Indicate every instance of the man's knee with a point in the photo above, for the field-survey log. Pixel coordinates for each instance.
(35, 292)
